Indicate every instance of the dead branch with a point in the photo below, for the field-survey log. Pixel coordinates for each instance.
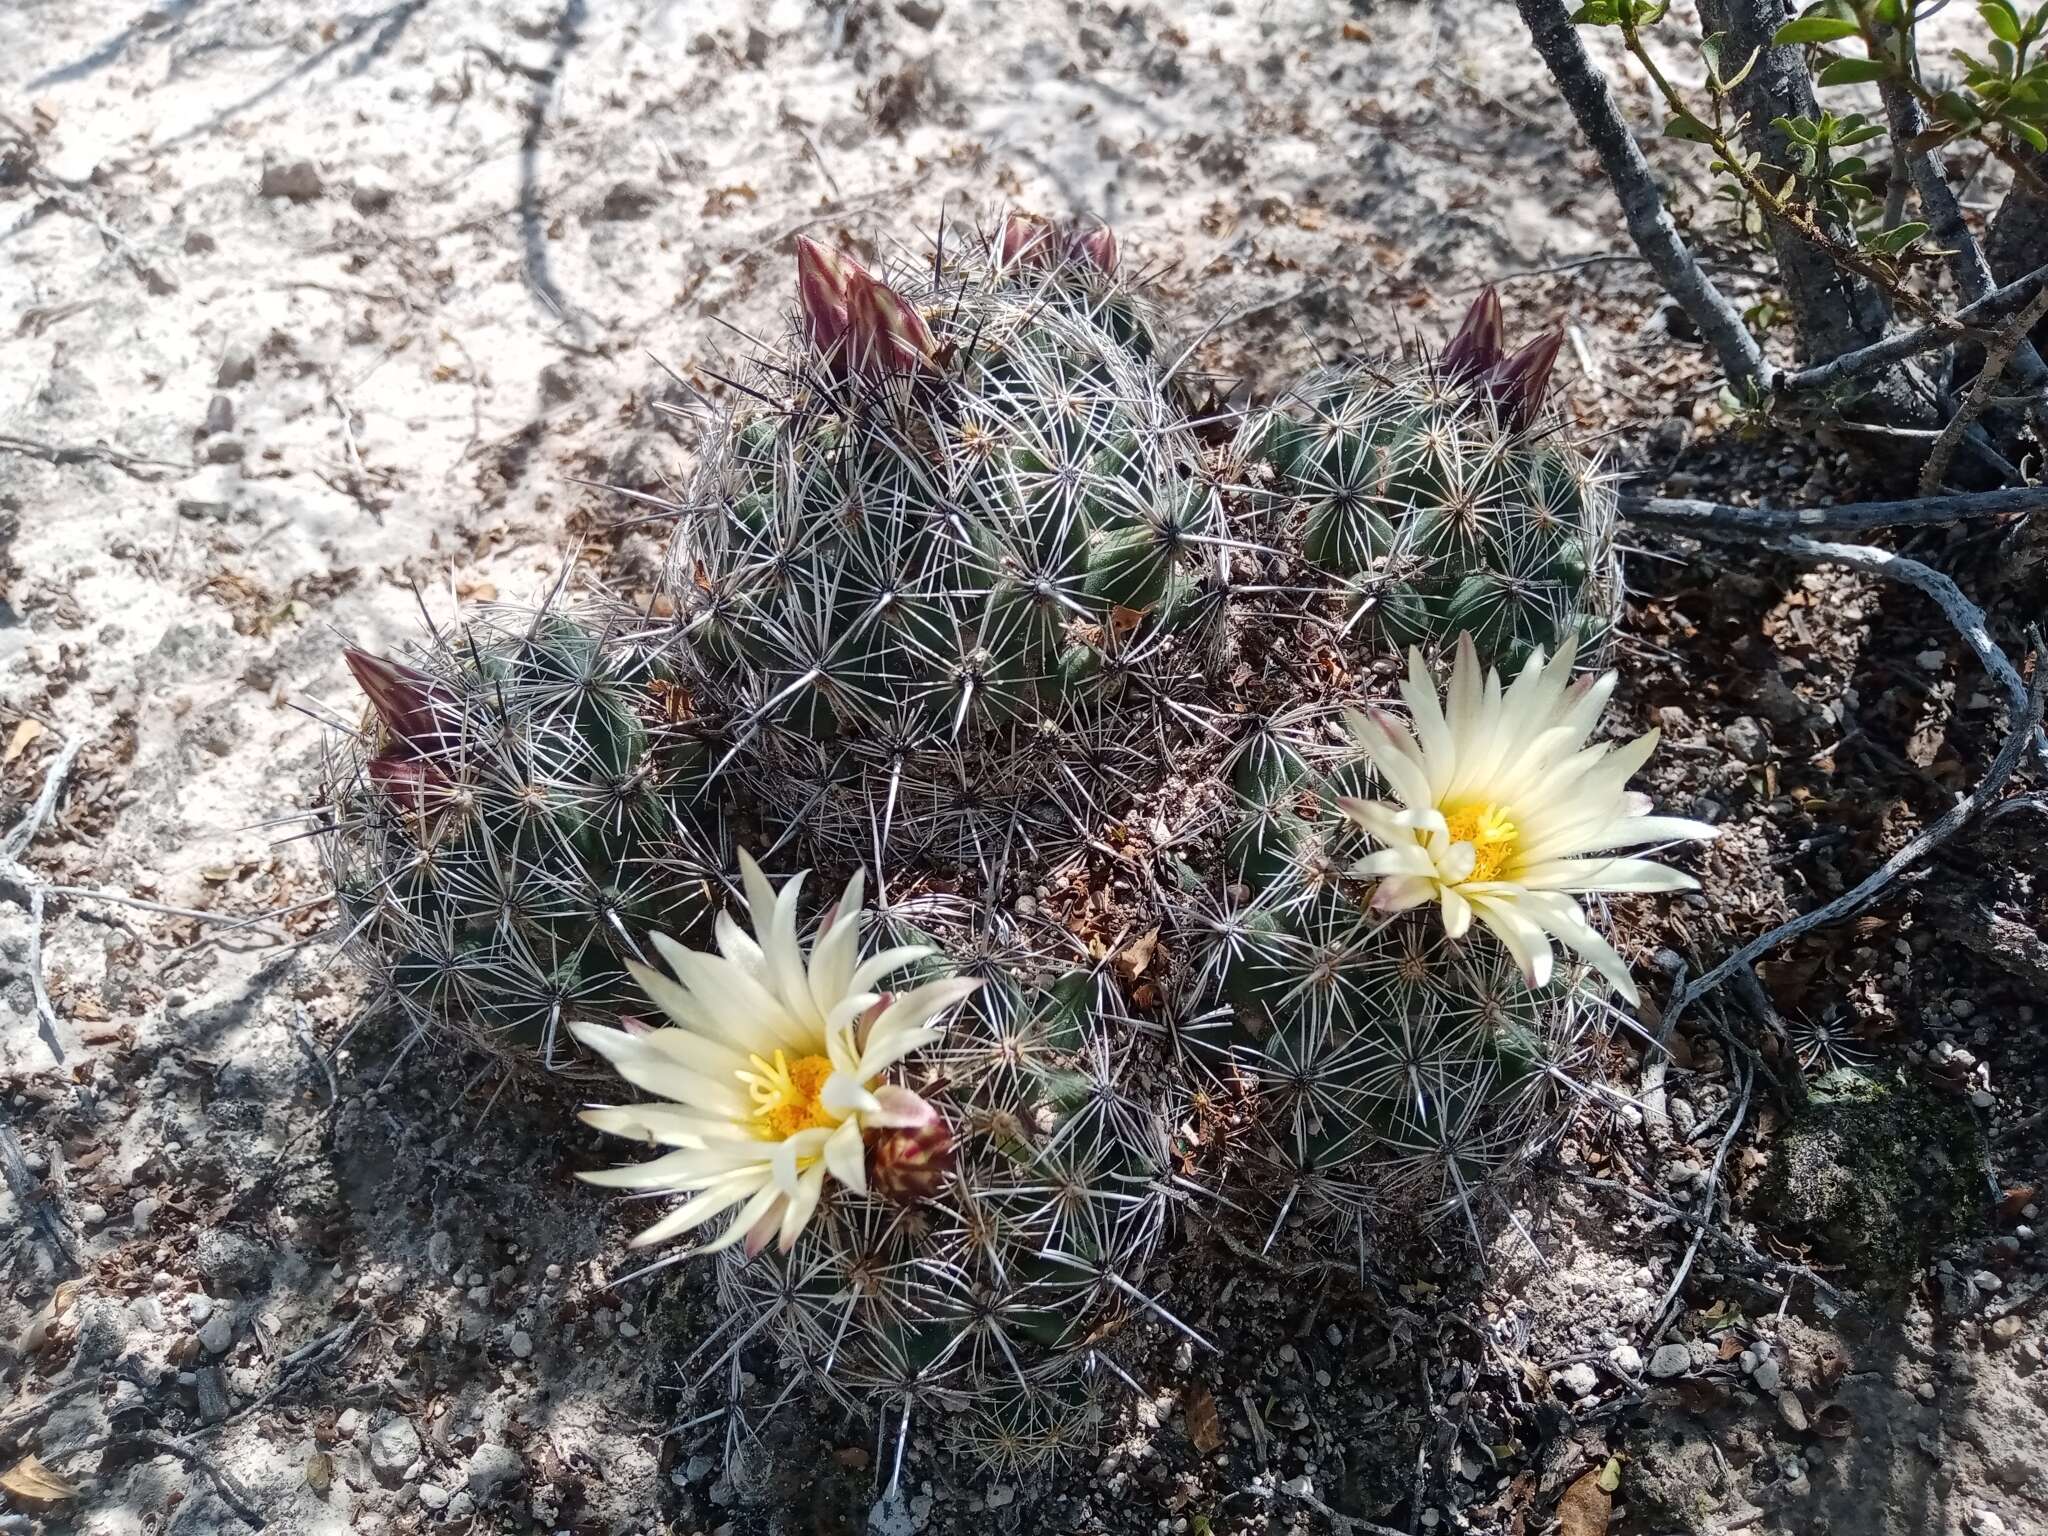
(2026, 727)
(230, 1495)
(2011, 349)
(1851, 517)
(1784, 1269)
(1735, 1124)
(1966, 617)
(92, 453)
(29, 1198)
(1586, 92)
(1927, 338)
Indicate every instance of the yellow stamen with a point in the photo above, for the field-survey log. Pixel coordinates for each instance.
(786, 1093)
(1491, 834)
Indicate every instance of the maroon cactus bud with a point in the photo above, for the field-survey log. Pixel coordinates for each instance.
(1027, 241)
(884, 332)
(424, 714)
(911, 1163)
(1480, 342)
(413, 783)
(822, 275)
(1093, 243)
(1519, 384)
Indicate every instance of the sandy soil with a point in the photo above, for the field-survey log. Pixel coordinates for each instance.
(315, 318)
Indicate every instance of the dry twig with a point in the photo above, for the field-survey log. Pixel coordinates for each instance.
(1851, 517)
(1997, 358)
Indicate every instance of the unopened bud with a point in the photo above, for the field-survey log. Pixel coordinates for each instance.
(1480, 342)
(1027, 240)
(422, 712)
(413, 783)
(911, 1163)
(1519, 384)
(1093, 244)
(884, 332)
(822, 275)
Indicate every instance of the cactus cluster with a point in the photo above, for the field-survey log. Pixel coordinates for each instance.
(520, 804)
(938, 567)
(1440, 499)
(948, 607)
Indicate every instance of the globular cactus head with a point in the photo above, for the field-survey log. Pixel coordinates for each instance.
(1392, 1076)
(953, 1211)
(938, 566)
(521, 800)
(1076, 266)
(1441, 498)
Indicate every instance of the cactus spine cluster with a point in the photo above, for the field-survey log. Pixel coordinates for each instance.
(518, 807)
(1439, 499)
(937, 567)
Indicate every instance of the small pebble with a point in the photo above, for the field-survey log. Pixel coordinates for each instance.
(1579, 1380)
(434, 1496)
(521, 1345)
(1925, 1391)
(218, 1334)
(1984, 1522)
(1670, 1360)
(144, 1213)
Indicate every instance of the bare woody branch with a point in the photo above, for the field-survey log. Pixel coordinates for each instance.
(1927, 338)
(2008, 351)
(1649, 223)
(1850, 517)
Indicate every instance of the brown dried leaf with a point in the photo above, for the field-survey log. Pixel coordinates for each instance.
(1205, 1427)
(1703, 1394)
(1135, 956)
(1829, 1370)
(1586, 1507)
(34, 1486)
(18, 743)
(1729, 1347)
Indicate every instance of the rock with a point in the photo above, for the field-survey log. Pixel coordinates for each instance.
(92, 1213)
(441, 1252)
(461, 1507)
(199, 243)
(1579, 1380)
(217, 1335)
(237, 366)
(224, 449)
(1767, 1375)
(220, 415)
(758, 44)
(393, 1448)
(144, 1213)
(1984, 1522)
(924, 14)
(320, 1472)
(1747, 739)
(227, 1258)
(148, 1313)
(346, 1426)
(434, 1496)
(2013, 1472)
(628, 201)
(2003, 1332)
(493, 1468)
(1627, 1359)
(1670, 1360)
(1000, 1495)
(1875, 1175)
(198, 1307)
(370, 190)
(521, 1345)
(298, 180)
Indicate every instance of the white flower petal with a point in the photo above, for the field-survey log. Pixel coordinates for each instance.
(699, 1209)
(846, 1157)
(845, 1094)
(900, 1109)
(1401, 892)
(1605, 875)
(1522, 938)
(1457, 913)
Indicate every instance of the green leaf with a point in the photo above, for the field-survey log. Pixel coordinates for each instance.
(1686, 126)
(1597, 13)
(2031, 134)
(1893, 241)
(1853, 71)
(2002, 19)
(1891, 13)
(1814, 29)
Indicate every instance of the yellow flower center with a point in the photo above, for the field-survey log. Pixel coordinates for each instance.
(1491, 834)
(785, 1095)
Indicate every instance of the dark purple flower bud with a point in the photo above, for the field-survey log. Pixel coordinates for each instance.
(1093, 244)
(1027, 240)
(910, 1163)
(821, 281)
(423, 713)
(1480, 342)
(413, 783)
(884, 332)
(1519, 384)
